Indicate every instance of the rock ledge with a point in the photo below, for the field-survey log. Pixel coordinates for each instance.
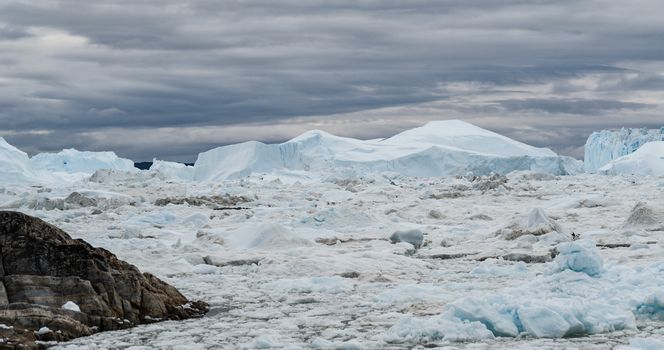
(42, 268)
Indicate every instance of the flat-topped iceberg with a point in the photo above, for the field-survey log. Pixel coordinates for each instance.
(441, 148)
(75, 161)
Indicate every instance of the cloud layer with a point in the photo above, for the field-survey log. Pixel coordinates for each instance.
(173, 78)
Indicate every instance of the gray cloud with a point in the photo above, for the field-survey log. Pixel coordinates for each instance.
(571, 106)
(98, 75)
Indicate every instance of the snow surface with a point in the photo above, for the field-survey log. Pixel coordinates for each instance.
(607, 145)
(646, 161)
(440, 148)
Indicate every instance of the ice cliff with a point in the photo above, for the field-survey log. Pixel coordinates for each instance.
(607, 145)
(14, 164)
(440, 148)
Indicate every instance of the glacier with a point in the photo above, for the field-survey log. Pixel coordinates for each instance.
(607, 145)
(439, 148)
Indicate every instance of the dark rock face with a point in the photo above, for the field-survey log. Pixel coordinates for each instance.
(42, 268)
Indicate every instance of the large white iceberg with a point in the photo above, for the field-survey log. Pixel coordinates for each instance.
(74, 161)
(646, 161)
(607, 145)
(440, 148)
(14, 164)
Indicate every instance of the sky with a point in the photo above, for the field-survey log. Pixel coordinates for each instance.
(170, 79)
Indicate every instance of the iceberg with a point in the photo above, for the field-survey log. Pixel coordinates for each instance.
(646, 161)
(440, 148)
(172, 170)
(74, 161)
(607, 145)
(14, 164)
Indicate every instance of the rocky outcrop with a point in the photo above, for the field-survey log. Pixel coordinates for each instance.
(42, 268)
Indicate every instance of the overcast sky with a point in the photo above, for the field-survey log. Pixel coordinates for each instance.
(170, 79)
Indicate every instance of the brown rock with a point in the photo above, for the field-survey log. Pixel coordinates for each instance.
(41, 268)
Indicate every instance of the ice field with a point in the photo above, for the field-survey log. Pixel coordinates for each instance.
(336, 245)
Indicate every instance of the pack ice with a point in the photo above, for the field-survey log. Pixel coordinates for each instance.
(607, 145)
(440, 148)
(368, 256)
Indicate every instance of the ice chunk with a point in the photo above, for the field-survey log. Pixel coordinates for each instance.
(474, 309)
(646, 161)
(542, 322)
(643, 344)
(426, 330)
(266, 236)
(205, 269)
(70, 305)
(414, 237)
(332, 285)
(490, 267)
(653, 305)
(579, 256)
(607, 145)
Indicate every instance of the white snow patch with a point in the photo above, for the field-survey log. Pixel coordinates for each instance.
(44, 330)
(70, 305)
